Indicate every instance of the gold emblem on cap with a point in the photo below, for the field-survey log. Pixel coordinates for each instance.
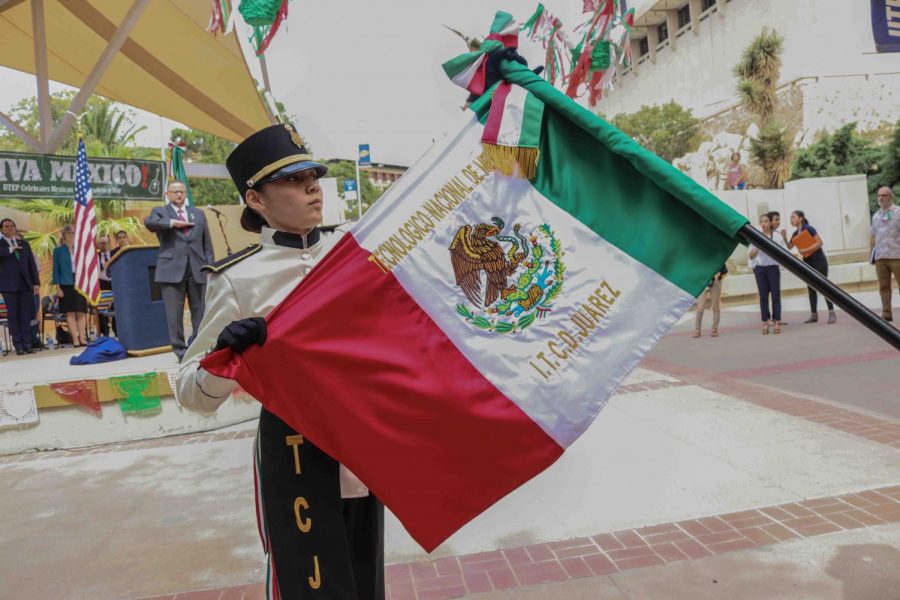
(295, 136)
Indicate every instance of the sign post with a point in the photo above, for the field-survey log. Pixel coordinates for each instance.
(364, 160)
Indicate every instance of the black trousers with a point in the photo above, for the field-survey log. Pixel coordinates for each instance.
(20, 311)
(319, 545)
(819, 262)
(173, 295)
(768, 280)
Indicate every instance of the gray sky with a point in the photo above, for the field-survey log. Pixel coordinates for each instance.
(365, 72)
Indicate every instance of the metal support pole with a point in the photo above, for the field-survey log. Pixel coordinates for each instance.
(90, 83)
(822, 284)
(41, 70)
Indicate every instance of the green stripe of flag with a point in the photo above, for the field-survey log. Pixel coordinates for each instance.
(627, 195)
(531, 122)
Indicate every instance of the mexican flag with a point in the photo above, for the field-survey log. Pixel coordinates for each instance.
(474, 323)
(176, 171)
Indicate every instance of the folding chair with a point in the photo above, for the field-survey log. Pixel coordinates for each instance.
(50, 311)
(105, 308)
(4, 323)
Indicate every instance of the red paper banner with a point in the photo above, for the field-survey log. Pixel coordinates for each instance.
(82, 393)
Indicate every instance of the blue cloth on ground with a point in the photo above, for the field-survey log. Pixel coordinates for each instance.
(102, 349)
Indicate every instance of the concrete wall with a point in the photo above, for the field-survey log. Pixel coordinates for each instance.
(73, 427)
(838, 207)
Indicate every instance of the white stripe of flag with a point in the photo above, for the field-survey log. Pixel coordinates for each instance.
(87, 269)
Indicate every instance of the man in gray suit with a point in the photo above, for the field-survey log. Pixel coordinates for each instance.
(184, 247)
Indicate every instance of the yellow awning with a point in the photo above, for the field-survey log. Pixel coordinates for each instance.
(169, 65)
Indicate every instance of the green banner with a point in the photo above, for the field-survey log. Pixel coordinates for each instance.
(48, 176)
(137, 393)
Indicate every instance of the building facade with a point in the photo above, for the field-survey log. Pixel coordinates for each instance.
(685, 50)
(381, 175)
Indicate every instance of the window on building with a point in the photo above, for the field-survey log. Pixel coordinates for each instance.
(643, 46)
(684, 16)
(662, 31)
(705, 5)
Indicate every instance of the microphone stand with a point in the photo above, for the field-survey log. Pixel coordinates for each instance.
(222, 229)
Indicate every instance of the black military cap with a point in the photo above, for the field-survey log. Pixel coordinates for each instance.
(267, 155)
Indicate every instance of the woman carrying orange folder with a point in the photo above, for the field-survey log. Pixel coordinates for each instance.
(806, 239)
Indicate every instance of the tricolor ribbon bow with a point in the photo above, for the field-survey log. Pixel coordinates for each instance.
(512, 127)
(476, 71)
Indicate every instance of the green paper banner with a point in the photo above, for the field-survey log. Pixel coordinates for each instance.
(49, 176)
(137, 393)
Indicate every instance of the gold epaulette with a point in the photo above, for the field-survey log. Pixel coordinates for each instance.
(231, 259)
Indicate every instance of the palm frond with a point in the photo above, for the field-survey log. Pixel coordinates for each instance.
(42, 243)
(109, 227)
(57, 211)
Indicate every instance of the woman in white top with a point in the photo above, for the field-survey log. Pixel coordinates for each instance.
(768, 279)
(779, 236)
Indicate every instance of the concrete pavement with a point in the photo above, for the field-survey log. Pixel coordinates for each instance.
(704, 467)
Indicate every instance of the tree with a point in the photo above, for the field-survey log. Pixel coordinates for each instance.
(845, 152)
(110, 219)
(346, 169)
(109, 131)
(758, 74)
(202, 147)
(842, 153)
(108, 127)
(669, 130)
(886, 170)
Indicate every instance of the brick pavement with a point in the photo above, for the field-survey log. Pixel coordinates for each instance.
(860, 424)
(617, 551)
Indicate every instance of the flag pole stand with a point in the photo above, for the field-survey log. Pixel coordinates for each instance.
(822, 284)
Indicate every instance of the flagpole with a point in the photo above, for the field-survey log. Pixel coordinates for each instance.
(821, 284)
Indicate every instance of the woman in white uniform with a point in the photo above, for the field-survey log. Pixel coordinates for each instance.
(322, 530)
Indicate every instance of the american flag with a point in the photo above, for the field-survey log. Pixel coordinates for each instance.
(87, 269)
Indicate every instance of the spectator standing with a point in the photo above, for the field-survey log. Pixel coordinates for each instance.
(71, 301)
(885, 243)
(737, 174)
(713, 293)
(122, 241)
(768, 280)
(19, 282)
(103, 256)
(779, 236)
(184, 248)
(814, 256)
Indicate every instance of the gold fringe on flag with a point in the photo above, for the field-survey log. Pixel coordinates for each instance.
(511, 160)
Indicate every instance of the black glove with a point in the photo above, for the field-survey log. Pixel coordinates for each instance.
(492, 72)
(239, 335)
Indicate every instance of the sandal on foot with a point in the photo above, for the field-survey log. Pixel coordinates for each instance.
(714, 333)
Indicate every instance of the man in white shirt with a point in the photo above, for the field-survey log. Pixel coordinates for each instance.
(885, 245)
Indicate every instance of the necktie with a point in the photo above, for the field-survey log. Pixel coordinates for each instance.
(181, 215)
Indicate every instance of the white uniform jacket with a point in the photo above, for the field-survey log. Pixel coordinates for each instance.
(260, 278)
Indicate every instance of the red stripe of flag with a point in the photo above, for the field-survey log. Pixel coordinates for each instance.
(495, 117)
(356, 365)
(87, 268)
